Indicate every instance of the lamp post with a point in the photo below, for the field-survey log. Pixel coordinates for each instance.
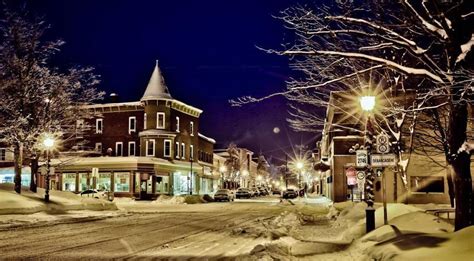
(48, 143)
(222, 170)
(299, 166)
(191, 179)
(368, 103)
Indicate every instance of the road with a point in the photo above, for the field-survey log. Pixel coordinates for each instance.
(205, 231)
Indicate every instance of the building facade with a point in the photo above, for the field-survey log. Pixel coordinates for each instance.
(141, 149)
(425, 181)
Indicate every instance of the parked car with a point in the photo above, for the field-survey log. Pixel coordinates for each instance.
(224, 195)
(243, 193)
(290, 193)
(263, 191)
(94, 193)
(276, 192)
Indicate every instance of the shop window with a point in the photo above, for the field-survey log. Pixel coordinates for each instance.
(103, 181)
(428, 184)
(160, 120)
(83, 182)
(162, 184)
(69, 182)
(122, 182)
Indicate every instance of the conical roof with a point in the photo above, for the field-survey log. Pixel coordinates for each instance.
(156, 88)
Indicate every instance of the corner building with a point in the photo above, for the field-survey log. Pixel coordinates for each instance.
(141, 149)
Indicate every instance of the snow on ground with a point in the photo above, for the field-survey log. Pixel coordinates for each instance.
(29, 208)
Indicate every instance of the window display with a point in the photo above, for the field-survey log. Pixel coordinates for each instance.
(122, 182)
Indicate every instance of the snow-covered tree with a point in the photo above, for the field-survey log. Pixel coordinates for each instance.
(35, 97)
(233, 162)
(414, 53)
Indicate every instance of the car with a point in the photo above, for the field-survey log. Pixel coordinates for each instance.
(243, 193)
(290, 193)
(276, 192)
(224, 195)
(94, 193)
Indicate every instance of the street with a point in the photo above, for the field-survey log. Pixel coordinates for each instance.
(206, 231)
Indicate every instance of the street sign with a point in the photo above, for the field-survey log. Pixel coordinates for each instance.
(383, 160)
(361, 158)
(361, 175)
(382, 143)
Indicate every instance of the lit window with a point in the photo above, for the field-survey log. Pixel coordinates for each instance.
(3, 154)
(183, 150)
(177, 124)
(144, 121)
(131, 148)
(98, 147)
(160, 120)
(99, 125)
(119, 148)
(167, 148)
(150, 147)
(191, 128)
(132, 124)
(191, 151)
(176, 150)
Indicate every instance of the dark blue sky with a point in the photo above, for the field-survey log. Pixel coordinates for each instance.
(206, 50)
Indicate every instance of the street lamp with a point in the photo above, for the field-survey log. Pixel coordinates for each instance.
(48, 144)
(368, 103)
(299, 166)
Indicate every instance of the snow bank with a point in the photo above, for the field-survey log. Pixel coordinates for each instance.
(165, 199)
(433, 246)
(60, 201)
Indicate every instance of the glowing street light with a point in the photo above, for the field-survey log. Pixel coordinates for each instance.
(367, 103)
(299, 165)
(48, 143)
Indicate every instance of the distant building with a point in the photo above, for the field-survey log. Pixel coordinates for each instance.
(141, 149)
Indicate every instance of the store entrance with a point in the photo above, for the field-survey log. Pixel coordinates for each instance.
(146, 186)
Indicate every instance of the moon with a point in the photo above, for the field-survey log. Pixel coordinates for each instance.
(276, 130)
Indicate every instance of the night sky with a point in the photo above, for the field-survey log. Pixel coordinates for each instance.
(206, 51)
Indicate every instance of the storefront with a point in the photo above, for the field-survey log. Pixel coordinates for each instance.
(7, 175)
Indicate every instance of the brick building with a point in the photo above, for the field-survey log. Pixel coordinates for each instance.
(142, 149)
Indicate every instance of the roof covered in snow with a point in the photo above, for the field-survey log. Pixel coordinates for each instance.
(156, 88)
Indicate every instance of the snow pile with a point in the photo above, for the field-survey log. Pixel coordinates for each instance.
(426, 246)
(164, 199)
(60, 201)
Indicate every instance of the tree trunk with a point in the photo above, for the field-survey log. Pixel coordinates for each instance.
(463, 191)
(34, 172)
(461, 163)
(18, 160)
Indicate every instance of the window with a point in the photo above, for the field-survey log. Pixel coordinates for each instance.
(150, 147)
(191, 152)
(177, 124)
(176, 150)
(144, 121)
(191, 128)
(121, 182)
(183, 150)
(99, 125)
(131, 148)
(3, 154)
(132, 124)
(160, 120)
(98, 146)
(119, 148)
(167, 148)
(427, 184)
